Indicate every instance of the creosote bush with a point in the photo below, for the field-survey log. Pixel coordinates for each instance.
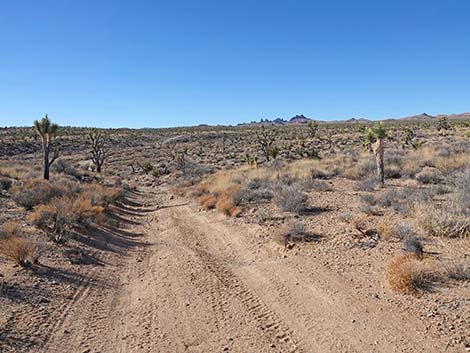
(290, 198)
(5, 183)
(413, 245)
(35, 192)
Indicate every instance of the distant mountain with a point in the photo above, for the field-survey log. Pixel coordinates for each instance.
(303, 120)
(419, 117)
(299, 120)
(455, 116)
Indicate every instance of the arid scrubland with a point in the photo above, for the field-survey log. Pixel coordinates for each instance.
(387, 207)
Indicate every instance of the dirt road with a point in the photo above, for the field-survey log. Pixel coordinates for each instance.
(199, 284)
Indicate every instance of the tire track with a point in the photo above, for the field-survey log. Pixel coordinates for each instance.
(265, 318)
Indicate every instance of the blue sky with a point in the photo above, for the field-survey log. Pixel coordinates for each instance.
(172, 63)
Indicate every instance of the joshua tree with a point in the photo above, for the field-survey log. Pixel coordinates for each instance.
(47, 131)
(374, 141)
(99, 149)
(265, 138)
(313, 129)
(443, 125)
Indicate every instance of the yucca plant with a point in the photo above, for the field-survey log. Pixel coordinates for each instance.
(47, 131)
(374, 141)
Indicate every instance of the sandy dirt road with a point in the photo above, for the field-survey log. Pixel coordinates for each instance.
(197, 284)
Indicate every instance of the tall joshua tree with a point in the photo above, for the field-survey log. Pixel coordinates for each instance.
(98, 141)
(47, 131)
(374, 141)
(265, 138)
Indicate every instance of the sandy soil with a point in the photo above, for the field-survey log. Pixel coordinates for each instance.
(197, 282)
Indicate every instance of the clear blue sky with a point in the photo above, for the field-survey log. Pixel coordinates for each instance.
(170, 63)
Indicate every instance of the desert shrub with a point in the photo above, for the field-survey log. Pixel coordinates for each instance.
(410, 274)
(345, 217)
(361, 169)
(317, 173)
(401, 200)
(394, 157)
(403, 230)
(262, 216)
(441, 222)
(290, 198)
(367, 184)
(68, 185)
(462, 191)
(317, 185)
(10, 228)
(55, 218)
(226, 203)
(59, 216)
(258, 183)
(429, 176)
(439, 189)
(85, 212)
(386, 227)
(35, 192)
(252, 196)
(459, 271)
(292, 232)
(21, 250)
(393, 172)
(295, 232)
(64, 167)
(413, 245)
(208, 201)
(387, 199)
(5, 183)
(100, 195)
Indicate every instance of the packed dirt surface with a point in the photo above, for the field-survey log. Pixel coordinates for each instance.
(199, 282)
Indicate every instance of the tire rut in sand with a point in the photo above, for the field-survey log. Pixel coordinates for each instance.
(266, 320)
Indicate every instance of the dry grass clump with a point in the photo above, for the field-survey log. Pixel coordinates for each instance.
(226, 205)
(35, 192)
(100, 195)
(61, 214)
(358, 171)
(441, 222)
(208, 201)
(389, 227)
(20, 250)
(411, 274)
(13, 172)
(458, 271)
(10, 228)
(429, 176)
(225, 202)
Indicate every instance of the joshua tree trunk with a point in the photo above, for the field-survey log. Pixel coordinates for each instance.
(46, 160)
(378, 149)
